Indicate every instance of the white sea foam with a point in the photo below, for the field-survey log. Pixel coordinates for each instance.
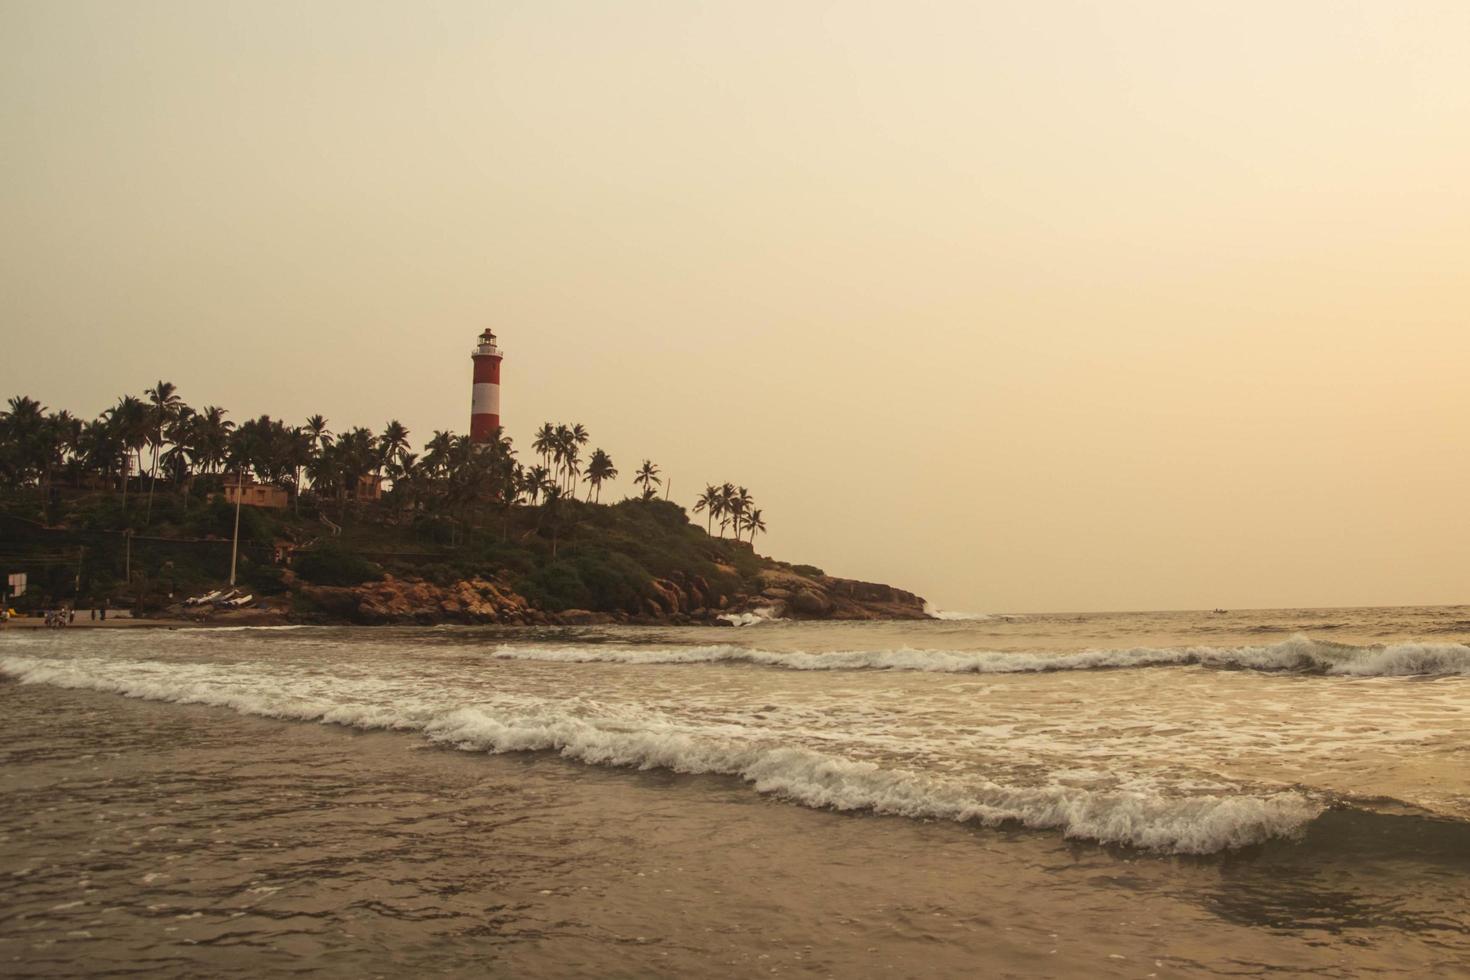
(952, 615)
(645, 738)
(1299, 653)
(765, 614)
(240, 629)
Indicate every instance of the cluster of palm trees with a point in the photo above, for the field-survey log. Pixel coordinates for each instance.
(733, 507)
(139, 439)
(560, 449)
(133, 443)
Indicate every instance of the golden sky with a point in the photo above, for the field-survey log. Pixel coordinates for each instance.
(1023, 306)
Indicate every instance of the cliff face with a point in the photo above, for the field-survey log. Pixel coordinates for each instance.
(677, 600)
(794, 596)
(408, 601)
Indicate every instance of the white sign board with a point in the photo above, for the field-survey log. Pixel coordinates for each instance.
(17, 584)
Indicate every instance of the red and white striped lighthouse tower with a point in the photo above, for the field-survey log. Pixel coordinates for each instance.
(485, 404)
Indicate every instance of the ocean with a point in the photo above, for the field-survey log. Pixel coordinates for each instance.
(1280, 792)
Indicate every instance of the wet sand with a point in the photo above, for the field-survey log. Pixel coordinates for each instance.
(81, 622)
(141, 838)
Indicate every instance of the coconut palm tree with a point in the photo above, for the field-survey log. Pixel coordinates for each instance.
(535, 481)
(212, 438)
(709, 503)
(129, 419)
(436, 453)
(648, 478)
(551, 507)
(739, 504)
(317, 431)
(600, 469)
(572, 463)
(24, 436)
(544, 443)
(49, 448)
(165, 402)
(394, 440)
(101, 450)
(183, 452)
(727, 500)
(754, 524)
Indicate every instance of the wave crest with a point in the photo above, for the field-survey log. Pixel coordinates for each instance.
(1299, 654)
(1190, 824)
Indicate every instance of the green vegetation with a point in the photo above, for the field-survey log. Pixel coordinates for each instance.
(733, 507)
(131, 507)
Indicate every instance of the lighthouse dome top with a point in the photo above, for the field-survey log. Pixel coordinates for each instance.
(487, 345)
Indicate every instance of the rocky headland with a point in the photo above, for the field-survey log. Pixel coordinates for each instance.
(676, 600)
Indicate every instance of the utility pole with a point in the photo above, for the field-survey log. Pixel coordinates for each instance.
(128, 557)
(235, 545)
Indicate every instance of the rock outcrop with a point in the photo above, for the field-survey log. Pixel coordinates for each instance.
(795, 596)
(679, 599)
(415, 601)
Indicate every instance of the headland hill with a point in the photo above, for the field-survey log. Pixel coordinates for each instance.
(154, 504)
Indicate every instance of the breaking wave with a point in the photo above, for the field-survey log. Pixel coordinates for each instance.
(1299, 654)
(765, 614)
(1188, 824)
(953, 616)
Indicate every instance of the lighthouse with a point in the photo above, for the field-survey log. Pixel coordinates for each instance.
(485, 402)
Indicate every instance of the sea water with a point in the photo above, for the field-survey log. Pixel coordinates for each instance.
(1095, 794)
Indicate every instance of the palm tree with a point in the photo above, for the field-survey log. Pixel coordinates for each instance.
(709, 502)
(551, 509)
(393, 441)
(727, 501)
(436, 452)
(298, 443)
(211, 438)
(404, 473)
(101, 449)
(536, 479)
(544, 443)
(562, 445)
(572, 462)
(507, 479)
(50, 449)
(739, 504)
(182, 437)
(648, 478)
(318, 433)
(129, 419)
(166, 403)
(754, 524)
(600, 469)
(25, 433)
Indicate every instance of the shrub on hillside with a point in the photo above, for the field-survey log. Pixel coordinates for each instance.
(604, 581)
(264, 579)
(331, 565)
(217, 519)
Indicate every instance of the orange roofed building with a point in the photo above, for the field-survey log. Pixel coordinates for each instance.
(254, 494)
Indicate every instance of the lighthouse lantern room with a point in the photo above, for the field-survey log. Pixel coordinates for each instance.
(485, 400)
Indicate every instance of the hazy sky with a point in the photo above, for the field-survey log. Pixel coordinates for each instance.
(1024, 306)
